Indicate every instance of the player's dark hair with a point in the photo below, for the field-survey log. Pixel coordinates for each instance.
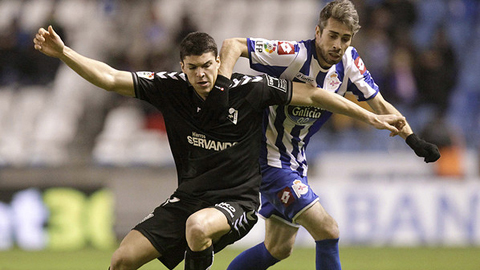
(342, 10)
(197, 43)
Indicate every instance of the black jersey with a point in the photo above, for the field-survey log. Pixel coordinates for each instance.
(222, 161)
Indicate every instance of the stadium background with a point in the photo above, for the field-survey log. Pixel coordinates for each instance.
(80, 166)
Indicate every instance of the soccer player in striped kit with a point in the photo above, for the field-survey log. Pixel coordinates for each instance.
(329, 62)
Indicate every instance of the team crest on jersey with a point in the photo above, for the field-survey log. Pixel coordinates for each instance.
(146, 74)
(332, 82)
(285, 47)
(303, 115)
(233, 115)
(270, 47)
(299, 188)
(360, 65)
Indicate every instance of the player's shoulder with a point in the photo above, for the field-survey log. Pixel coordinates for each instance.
(239, 79)
(350, 57)
(349, 53)
(173, 75)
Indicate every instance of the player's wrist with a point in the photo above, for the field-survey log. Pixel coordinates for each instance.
(413, 141)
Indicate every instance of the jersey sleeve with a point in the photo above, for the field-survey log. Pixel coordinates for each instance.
(145, 85)
(154, 87)
(362, 84)
(271, 56)
(268, 90)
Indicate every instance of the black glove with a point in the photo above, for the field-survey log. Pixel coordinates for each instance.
(215, 108)
(422, 148)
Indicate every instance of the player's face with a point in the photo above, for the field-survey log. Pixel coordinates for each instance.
(332, 42)
(202, 71)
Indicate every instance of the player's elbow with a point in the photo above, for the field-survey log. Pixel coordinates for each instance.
(109, 87)
(238, 45)
(111, 81)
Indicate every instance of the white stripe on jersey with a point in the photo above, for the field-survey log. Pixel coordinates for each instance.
(271, 134)
(295, 66)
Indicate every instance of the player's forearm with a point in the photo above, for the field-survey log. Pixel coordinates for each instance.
(305, 94)
(232, 49)
(337, 104)
(96, 72)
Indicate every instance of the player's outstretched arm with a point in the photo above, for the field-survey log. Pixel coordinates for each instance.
(307, 95)
(231, 50)
(422, 148)
(96, 72)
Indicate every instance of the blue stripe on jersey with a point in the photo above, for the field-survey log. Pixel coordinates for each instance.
(295, 148)
(354, 53)
(340, 69)
(310, 46)
(320, 78)
(278, 123)
(270, 70)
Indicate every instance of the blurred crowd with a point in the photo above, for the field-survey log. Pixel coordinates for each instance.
(422, 54)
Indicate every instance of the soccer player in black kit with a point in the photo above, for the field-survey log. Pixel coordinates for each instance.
(214, 127)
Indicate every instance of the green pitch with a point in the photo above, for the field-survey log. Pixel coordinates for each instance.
(358, 258)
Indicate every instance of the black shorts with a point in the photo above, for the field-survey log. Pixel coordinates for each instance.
(165, 227)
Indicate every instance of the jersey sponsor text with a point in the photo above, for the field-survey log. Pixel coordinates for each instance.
(200, 140)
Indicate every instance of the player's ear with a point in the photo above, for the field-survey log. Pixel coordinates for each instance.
(182, 66)
(218, 62)
(318, 31)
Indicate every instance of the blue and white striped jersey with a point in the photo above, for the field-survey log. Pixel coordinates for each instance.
(289, 128)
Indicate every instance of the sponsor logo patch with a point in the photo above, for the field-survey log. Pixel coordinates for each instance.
(285, 48)
(146, 74)
(360, 65)
(306, 79)
(259, 46)
(227, 207)
(286, 196)
(303, 115)
(201, 140)
(270, 47)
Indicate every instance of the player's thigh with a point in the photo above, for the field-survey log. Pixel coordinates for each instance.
(207, 223)
(135, 249)
(279, 237)
(318, 222)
